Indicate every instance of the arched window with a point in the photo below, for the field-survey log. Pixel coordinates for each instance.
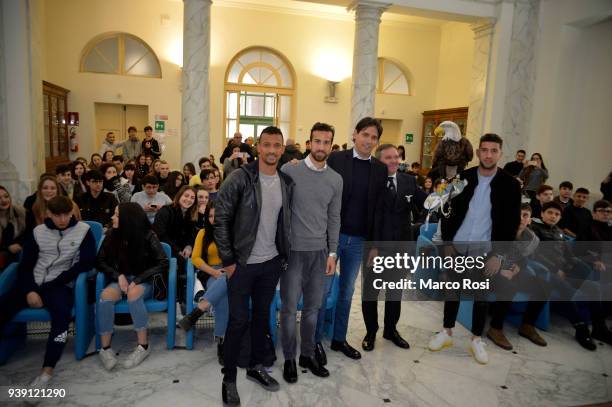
(259, 88)
(120, 54)
(392, 78)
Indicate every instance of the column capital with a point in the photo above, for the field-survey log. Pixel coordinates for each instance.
(368, 10)
(483, 27)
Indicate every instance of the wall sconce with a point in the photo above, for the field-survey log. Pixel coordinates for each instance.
(331, 92)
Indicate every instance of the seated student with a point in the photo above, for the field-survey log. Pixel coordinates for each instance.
(175, 225)
(576, 219)
(57, 252)
(12, 228)
(513, 276)
(559, 261)
(599, 259)
(174, 182)
(209, 183)
(188, 172)
(129, 173)
(115, 184)
(202, 203)
(565, 194)
(234, 161)
(78, 171)
(130, 257)
(95, 161)
(142, 168)
(217, 178)
(107, 157)
(149, 198)
(162, 175)
(154, 168)
(210, 274)
(118, 163)
(97, 205)
(64, 179)
(543, 194)
(36, 204)
(204, 163)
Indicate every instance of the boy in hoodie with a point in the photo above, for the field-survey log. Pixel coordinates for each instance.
(57, 252)
(560, 262)
(512, 277)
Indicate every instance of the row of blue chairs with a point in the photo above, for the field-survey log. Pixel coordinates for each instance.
(83, 312)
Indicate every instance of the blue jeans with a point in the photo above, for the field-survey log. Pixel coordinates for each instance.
(216, 295)
(350, 253)
(105, 309)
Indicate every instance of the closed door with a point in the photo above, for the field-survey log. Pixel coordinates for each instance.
(117, 118)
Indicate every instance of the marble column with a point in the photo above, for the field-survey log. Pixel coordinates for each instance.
(195, 138)
(521, 77)
(365, 59)
(21, 119)
(481, 62)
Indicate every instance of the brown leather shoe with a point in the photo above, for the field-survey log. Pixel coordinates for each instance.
(497, 337)
(529, 332)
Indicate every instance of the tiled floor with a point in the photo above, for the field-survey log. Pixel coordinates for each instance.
(563, 374)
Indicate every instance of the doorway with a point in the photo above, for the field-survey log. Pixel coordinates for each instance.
(117, 118)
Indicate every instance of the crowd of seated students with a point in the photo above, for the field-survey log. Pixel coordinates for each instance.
(141, 202)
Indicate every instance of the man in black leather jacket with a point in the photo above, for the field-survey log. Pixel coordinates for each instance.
(252, 225)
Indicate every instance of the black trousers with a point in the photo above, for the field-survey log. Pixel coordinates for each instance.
(393, 300)
(257, 283)
(58, 300)
(479, 315)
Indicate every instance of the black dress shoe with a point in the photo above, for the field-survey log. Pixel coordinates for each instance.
(313, 365)
(259, 375)
(583, 336)
(368, 342)
(320, 354)
(396, 338)
(290, 370)
(229, 394)
(345, 348)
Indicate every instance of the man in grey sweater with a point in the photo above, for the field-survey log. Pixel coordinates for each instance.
(315, 227)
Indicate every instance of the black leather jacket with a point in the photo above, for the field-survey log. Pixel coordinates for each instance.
(156, 260)
(237, 210)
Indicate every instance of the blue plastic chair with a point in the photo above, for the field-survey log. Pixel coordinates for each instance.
(168, 305)
(428, 231)
(190, 306)
(83, 313)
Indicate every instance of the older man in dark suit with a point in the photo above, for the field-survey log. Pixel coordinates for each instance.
(401, 202)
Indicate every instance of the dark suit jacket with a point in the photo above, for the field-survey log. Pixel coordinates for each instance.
(342, 163)
(398, 211)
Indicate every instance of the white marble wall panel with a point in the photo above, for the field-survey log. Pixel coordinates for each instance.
(195, 136)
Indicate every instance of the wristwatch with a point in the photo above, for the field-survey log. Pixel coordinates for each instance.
(333, 254)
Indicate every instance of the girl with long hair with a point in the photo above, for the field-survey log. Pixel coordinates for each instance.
(210, 274)
(95, 162)
(115, 184)
(188, 172)
(78, 170)
(174, 182)
(130, 257)
(533, 175)
(48, 188)
(12, 228)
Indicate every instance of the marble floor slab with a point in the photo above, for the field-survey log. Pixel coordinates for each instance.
(561, 374)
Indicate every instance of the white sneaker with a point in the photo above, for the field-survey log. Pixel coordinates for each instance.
(108, 358)
(41, 381)
(440, 341)
(136, 357)
(477, 349)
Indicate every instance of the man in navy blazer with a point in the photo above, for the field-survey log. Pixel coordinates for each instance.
(402, 199)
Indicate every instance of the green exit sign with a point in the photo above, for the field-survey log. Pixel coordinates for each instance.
(409, 138)
(160, 126)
